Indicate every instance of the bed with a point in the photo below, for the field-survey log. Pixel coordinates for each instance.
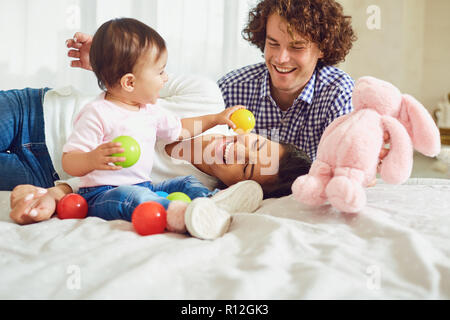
(397, 248)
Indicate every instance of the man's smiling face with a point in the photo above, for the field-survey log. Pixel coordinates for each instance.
(291, 59)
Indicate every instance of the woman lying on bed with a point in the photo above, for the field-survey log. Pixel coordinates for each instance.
(45, 119)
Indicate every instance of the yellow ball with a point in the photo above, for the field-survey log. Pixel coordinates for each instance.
(243, 119)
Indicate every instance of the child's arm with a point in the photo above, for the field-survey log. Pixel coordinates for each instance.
(79, 163)
(196, 125)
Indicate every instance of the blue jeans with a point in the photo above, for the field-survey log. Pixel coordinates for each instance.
(119, 202)
(24, 158)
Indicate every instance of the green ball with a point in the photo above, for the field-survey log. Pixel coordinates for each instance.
(180, 196)
(132, 151)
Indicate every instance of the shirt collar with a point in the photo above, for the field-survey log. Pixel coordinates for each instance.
(306, 95)
(265, 85)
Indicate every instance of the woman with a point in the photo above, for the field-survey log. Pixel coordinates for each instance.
(292, 163)
(44, 120)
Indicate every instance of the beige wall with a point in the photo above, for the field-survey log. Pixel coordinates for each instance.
(411, 49)
(437, 50)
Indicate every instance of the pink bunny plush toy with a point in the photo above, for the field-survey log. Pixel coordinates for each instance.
(348, 152)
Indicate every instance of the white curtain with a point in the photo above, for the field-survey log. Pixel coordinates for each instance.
(203, 37)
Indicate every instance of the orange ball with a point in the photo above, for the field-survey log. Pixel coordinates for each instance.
(149, 218)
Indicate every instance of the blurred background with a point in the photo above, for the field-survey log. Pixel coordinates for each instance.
(406, 42)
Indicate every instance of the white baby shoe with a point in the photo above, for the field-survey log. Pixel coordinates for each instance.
(244, 196)
(205, 220)
(210, 218)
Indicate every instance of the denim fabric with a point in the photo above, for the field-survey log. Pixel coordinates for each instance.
(24, 157)
(119, 202)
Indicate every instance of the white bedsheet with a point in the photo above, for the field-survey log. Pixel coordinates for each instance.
(397, 248)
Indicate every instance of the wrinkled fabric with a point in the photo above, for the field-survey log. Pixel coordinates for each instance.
(397, 248)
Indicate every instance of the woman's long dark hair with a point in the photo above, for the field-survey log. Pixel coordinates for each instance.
(293, 163)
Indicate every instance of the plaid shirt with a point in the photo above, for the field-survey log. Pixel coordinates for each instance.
(325, 97)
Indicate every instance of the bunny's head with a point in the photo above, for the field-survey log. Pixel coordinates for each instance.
(387, 100)
(378, 95)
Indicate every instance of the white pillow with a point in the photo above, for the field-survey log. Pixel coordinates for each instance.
(191, 95)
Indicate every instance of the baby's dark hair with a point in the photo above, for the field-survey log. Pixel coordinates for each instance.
(117, 46)
(293, 163)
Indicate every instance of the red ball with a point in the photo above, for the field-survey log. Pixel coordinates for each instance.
(72, 206)
(149, 218)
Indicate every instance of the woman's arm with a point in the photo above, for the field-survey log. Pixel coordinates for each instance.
(31, 204)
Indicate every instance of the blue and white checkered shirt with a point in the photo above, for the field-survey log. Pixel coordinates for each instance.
(325, 97)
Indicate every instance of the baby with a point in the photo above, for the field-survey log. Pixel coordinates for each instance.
(129, 59)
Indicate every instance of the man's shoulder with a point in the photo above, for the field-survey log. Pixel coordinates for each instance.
(248, 74)
(334, 79)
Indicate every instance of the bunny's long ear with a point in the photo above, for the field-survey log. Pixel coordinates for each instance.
(397, 165)
(420, 126)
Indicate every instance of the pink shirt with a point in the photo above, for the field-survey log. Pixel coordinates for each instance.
(101, 121)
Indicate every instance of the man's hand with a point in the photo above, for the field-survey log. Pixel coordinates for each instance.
(81, 45)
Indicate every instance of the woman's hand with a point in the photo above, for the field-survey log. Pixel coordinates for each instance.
(81, 45)
(31, 204)
(384, 150)
(383, 153)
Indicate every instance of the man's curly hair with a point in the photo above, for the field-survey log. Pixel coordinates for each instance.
(320, 21)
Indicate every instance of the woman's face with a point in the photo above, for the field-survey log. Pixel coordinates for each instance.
(243, 157)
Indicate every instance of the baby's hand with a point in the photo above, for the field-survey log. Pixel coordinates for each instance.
(224, 116)
(101, 159)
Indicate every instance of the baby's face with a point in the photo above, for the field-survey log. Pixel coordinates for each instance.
(150, 76)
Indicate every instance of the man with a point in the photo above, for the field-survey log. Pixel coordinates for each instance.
(297, 92)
